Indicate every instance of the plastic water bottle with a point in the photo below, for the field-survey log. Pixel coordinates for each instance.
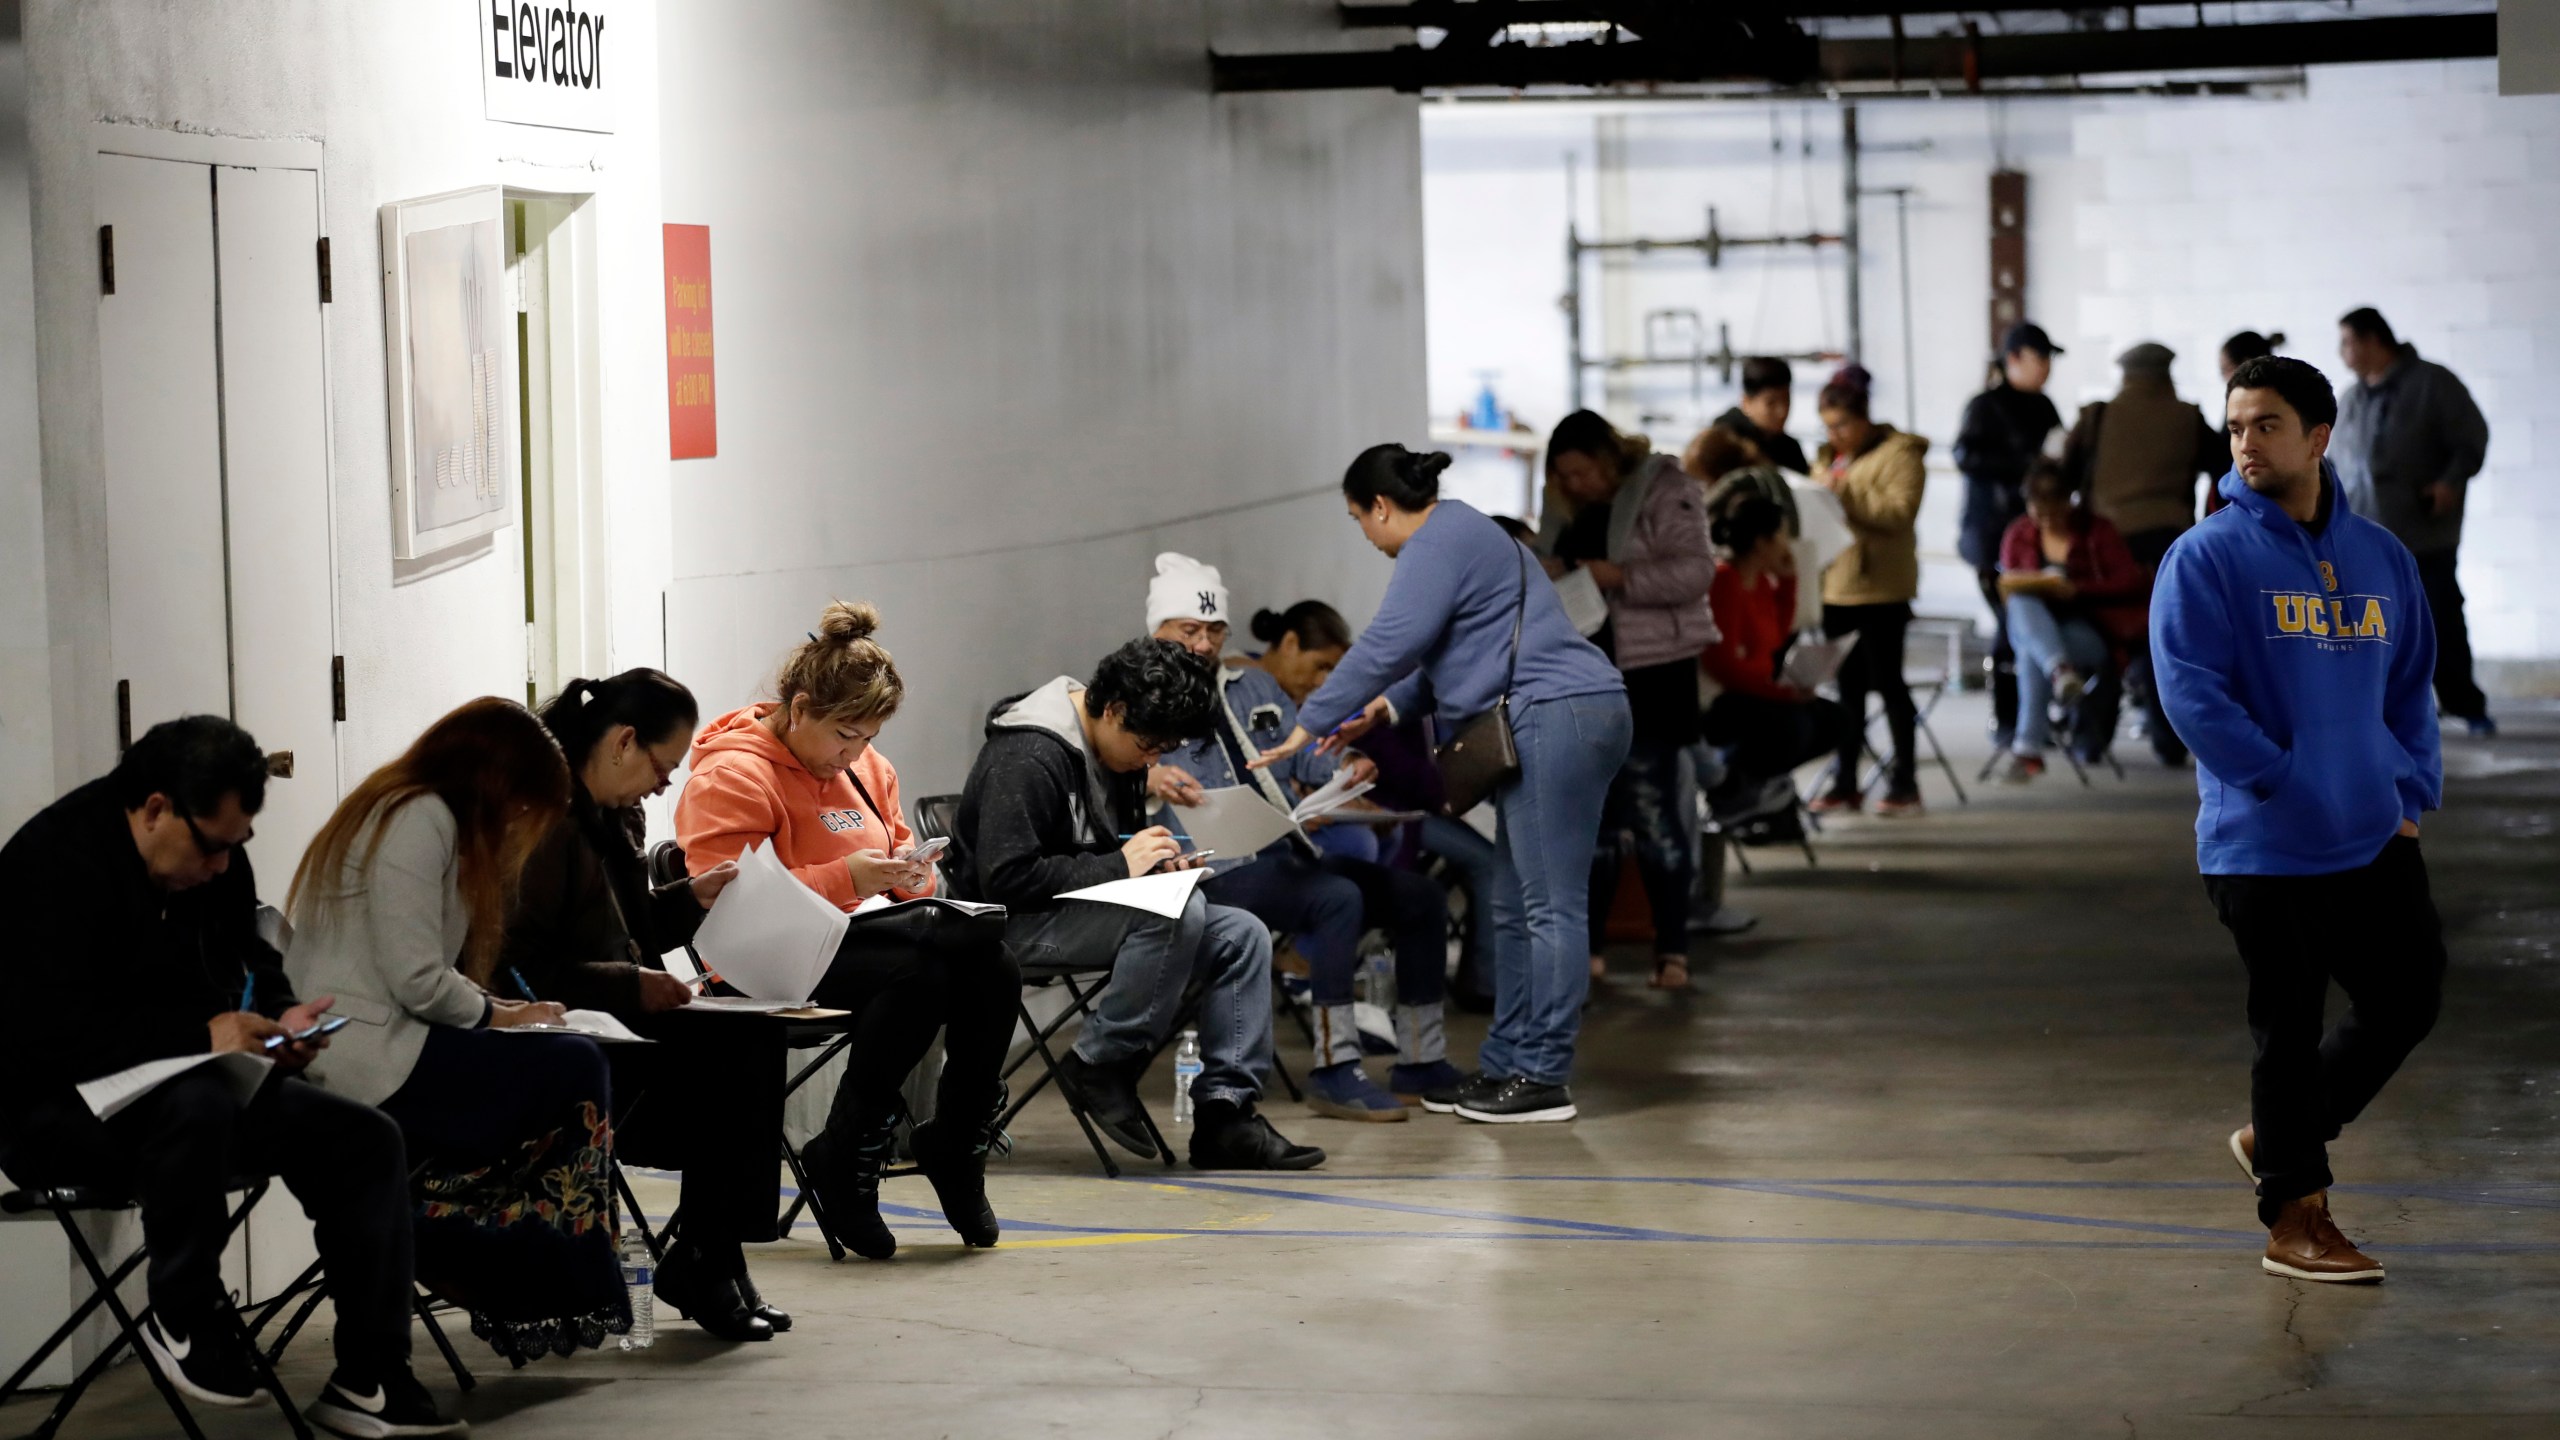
(639, 1272)
(1186, 1068)
(1380, 972)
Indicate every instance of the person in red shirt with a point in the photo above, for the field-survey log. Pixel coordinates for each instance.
(2074, 600)
(1770, 725)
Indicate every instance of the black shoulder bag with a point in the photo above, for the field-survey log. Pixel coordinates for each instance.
(1485, 753)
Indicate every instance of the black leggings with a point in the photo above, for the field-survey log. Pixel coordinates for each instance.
(1875, 665)
(959, 981)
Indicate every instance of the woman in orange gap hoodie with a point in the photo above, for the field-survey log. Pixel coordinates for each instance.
(800, 774)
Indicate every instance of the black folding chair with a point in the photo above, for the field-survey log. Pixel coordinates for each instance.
(934, 815)
(65, 1203)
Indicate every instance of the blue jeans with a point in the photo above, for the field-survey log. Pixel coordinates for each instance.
(2045, 642)
(1153, 963)
(1494, 920)
(1325, 904)
(1570, 750)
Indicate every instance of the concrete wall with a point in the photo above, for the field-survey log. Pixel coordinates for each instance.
(1001, 291)
(394, 96)
(2413, 188)
(26, 714)
(2410, 187)
(1495, 186)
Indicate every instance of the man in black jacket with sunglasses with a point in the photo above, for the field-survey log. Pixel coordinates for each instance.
(140, 942)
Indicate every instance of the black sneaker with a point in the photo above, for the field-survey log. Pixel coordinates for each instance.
(1228, 1136)
(1445, 1099)
(211, 1366)
(1109, 1100)
(397, 1405)
(1518, 1101)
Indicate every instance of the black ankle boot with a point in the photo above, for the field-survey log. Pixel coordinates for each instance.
(845, 1172)
(693, 1286)
(954, 1157)
(775, 1316)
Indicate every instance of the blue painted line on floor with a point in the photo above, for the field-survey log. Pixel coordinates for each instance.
(1945, 1207)
(1312, 1197)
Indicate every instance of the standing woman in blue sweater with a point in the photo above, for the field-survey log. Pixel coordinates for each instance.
(1462, 590)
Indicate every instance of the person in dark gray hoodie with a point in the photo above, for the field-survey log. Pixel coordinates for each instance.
(1056, 802)
(2410, 439)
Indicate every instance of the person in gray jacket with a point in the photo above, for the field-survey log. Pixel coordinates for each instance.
(2409, 439)
(400, 910)
(1636, 523)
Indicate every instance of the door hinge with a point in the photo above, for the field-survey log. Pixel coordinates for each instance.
(124, 716)
(326, 294)
(338, 687)
(106, 259)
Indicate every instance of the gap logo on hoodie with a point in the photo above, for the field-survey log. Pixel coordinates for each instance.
(839, 821)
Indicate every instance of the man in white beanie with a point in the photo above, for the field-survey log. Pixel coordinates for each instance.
(1325, 902)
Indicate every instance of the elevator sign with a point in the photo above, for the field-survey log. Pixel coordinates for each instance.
(549, 64)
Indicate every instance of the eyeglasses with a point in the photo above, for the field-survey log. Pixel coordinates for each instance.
(207, 846)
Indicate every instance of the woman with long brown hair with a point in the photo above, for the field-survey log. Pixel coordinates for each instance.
(399, 908)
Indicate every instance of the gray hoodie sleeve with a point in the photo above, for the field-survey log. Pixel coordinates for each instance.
(1026, 848)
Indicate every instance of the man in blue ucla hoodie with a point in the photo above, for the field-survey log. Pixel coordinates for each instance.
(2295, 655)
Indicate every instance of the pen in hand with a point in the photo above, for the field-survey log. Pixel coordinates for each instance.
(522, 988)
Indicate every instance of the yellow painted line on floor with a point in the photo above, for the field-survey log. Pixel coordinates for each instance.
(1064, 1242)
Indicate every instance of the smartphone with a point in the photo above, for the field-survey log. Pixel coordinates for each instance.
(930, 850)
(329, 1026)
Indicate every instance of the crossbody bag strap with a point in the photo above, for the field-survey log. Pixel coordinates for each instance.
(887, 821)
(1519, 616)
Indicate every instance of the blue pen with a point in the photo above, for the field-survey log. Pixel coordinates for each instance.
(249, 991)
(522, 987)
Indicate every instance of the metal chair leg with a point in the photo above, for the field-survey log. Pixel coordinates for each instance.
(131, 1328)
(462, 1375)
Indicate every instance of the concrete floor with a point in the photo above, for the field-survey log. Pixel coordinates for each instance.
(1937, 1150)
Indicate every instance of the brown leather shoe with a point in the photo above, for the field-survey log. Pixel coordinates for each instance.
(2304, 1244)
(2244, 1148)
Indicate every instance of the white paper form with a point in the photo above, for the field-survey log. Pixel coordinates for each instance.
(594, 1024)
(1583, 604)
(1813, 663)
(1164, 893)
(110, 1093)
(1235, 821)
(1335, 793)
(769, 935)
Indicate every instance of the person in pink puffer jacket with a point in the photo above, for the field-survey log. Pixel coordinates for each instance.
(1636, 523)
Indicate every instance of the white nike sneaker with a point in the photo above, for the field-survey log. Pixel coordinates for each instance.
(209, 1367)
(396, 1406)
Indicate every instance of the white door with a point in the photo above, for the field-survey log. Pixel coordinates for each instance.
(275, 431)
(220, 573)
(168, 594)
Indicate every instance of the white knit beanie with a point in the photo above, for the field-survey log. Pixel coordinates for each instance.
(1185, 589)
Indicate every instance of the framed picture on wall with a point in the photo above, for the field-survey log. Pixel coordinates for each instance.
(449, 337)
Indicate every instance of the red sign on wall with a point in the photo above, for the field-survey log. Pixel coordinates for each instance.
(693, 425)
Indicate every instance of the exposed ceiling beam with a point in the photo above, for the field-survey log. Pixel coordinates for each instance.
(1442, 14)
(1955, 61)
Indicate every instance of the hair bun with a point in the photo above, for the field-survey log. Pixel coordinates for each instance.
(2275, 338)
(1426, 468)
(846, 621)
(1268, 626)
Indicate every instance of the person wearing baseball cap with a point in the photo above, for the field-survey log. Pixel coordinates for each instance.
(2003, 428)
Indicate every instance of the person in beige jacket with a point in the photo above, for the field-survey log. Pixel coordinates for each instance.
(1876, 473)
